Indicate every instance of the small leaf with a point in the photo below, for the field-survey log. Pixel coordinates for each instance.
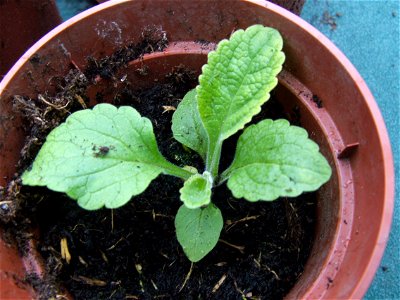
(198, 230)
(187, 126)
(274, 159)
(196, 191)
(235, 82)
(100, 157)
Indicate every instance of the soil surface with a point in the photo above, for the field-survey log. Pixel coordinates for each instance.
(132, 252)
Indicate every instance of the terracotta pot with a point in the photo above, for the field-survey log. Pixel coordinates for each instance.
(295, 6)
(22, 23)
(354, 208)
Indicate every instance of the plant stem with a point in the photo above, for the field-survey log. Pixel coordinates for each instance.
(224, 176)
(176, 171)
(213, 157)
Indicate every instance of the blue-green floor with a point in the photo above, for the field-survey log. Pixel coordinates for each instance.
(367, 31)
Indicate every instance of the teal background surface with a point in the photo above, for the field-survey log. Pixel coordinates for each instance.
(367, 31)
(368, 34)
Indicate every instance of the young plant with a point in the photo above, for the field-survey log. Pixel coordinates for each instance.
(105, 155)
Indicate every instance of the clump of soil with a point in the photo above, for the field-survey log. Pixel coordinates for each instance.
(47, 112)
(132, 252)
(153, 39)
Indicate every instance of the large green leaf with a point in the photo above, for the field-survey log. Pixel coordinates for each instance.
(100, 157)
(198, 230)
(274, 159)
(235, 82)
(187, 126)
(196, 191)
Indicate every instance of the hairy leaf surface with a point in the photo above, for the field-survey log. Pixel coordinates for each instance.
(236, 81)
(198, 230)
(196, 192)
(100, 157)
(274, 159)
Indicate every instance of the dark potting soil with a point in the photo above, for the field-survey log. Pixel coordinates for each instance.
(132, 252)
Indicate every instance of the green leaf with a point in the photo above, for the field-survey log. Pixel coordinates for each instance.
(198, 230)
(196, 192)
(274, 159)
(187, 126)
(100, 157)
(235, 82)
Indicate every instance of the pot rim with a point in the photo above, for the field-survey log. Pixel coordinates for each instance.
(387, 214)
(378, 122)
